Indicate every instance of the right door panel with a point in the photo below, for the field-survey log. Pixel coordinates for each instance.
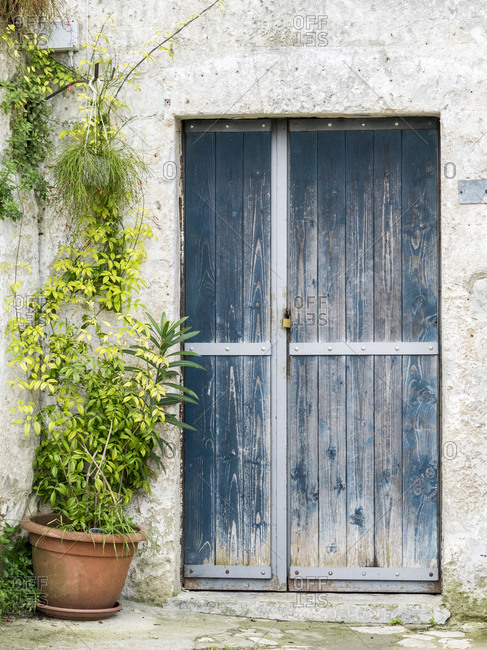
(363, 385)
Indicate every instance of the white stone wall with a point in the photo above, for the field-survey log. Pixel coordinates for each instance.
(381, 58)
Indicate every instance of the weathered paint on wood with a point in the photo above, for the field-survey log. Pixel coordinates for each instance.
(303, 384)
(388, 461)
(360, 327)
(257, 462)
(332, 458)
(420, 462)
(419, 235)
(200, 467)
(227, 458)
(200, 288)
(376, 266)
(331, 371)
(420, 374)
(362, 430)
(387, 327)
(257, 322)
(229, 461)
(229, 327)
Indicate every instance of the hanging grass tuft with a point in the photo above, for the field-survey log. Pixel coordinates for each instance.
(24, 14)
(84, 177)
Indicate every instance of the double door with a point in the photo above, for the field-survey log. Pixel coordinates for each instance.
(311, 274)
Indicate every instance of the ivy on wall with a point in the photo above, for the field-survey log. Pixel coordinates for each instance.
(99, 422)
(24, 101)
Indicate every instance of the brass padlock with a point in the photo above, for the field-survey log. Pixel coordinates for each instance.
(286, 322)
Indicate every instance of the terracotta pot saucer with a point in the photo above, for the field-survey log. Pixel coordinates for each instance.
(79, 614)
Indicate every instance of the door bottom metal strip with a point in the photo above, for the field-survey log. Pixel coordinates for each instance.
(362, 573)
(361, 348)
(230, 571)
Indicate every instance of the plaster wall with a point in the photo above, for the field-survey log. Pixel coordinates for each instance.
(277, 59)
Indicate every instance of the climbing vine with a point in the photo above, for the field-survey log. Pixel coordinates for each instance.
(25, 102)
(99, 422)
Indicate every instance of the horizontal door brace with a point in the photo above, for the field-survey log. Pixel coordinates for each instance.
(230, 349)
(342, 348)
(362, 123)
(362, 573)
(221, 571)
(222, 125)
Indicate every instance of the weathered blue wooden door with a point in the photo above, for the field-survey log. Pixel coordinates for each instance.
(228, 537)
(311, 271)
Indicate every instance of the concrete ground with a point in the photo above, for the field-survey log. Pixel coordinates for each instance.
(143, 627)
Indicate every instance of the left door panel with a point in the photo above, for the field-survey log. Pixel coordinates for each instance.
(227, 457)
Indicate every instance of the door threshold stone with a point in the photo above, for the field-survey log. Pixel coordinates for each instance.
(410, 609)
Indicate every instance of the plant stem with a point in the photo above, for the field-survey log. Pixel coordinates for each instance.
(170, 37)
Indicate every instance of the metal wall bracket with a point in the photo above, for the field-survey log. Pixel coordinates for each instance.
(362, 573)
(472, 191)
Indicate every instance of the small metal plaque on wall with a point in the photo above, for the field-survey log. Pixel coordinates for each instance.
(472, 191)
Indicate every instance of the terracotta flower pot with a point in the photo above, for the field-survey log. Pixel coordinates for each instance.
(76, 570)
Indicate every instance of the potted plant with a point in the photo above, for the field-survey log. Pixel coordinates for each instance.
(102, 382)
(100, 442)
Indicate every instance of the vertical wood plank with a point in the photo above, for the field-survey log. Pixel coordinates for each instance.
(387, 236)
(304, 480)
(420, 461)
(256, 281)
(360, 327)
(303, 385)
(420, 236)
(256, 270)
(388, 461)
(388, 327)
(257, 466)
(199, 467)
(359, 236)
(332, 462)
(420, 374)
(229, 417)
(229, 237)
(229, 328)
(331, 370)
(199, 448)
(199, 199)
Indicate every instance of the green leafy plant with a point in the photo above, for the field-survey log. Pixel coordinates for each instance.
(101, 262)
(100, 437)
(100, 423)
(18, 590)
(432, 622)
(396, 621)
(102, 384)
